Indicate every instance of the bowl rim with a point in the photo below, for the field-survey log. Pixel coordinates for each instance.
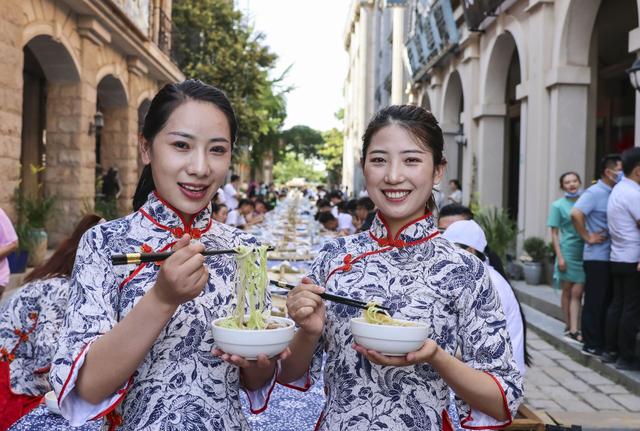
(290, 324)
(418, 324)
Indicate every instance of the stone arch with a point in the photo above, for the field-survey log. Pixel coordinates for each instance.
(500, 57)
(452, 107)
(54, 54)
(426, 100)
(452, 103)
(573, 38)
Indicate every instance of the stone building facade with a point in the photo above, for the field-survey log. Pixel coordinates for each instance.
(534, 89)
(68, 66)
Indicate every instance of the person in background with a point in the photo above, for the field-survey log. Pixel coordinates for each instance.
(589, 217)
(568, 247)
(111, 184)
(452, 213)
(328, 221)
(8, 244)
(623, 218)
(456, 192)
(323, 206)
(219, 212)
(365, 213)
(468, 235)
(335, 197)
(231, 192)
(238, 216)
(29, 328)
(345, 220)
(261, 207)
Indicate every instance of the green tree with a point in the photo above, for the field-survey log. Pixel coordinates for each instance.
(292, 166)
(331, 154)
(303, 141)
(212, 43)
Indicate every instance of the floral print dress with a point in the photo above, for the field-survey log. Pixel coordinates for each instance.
(179, 385)
(29, 326)
(420, 277)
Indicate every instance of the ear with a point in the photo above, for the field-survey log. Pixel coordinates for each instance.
(145, 150)
(438, 172)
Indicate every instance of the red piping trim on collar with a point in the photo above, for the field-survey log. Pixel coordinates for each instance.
(397, 235)
(187, 227)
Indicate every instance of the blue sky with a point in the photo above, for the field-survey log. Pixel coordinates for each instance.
(309, 36)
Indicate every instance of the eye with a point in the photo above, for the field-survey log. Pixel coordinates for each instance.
(413, 160)
(377, 160)
(218, 149)
(181, 145)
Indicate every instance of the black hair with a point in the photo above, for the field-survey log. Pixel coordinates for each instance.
(457, 183)
(366, 202)
(609, 162)
(342, 206)
(419, 122)
(336, 194)
(170, 97)
(235, 177)
(630, 159)
(326, 217)
(455, 210)
(242, 202)
(323, 203)
(215, 207)
(569, 173)
(351, 206)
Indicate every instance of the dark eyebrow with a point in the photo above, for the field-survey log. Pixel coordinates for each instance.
(402, 152)
(189, 136)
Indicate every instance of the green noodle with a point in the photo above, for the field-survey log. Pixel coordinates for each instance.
(376, 316)
(252, 283)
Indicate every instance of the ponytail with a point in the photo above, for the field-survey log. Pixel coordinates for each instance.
(145, 186)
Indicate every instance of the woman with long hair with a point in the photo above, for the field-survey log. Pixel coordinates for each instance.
(402, 262)
(136, 348)
(30, 326)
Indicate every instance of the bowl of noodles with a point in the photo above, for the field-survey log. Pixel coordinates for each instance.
(391, 337)
(251, 330)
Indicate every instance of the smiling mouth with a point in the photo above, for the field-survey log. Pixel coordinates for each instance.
(396, 194)
(193, 191)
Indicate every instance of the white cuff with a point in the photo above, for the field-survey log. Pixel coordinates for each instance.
(480, 421)
(259, 398)
(75, 409)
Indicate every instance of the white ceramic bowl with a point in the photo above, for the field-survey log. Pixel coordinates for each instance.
(52, 402)
(387, 339)
(251, 343)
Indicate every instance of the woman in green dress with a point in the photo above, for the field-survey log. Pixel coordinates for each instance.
(568, 247)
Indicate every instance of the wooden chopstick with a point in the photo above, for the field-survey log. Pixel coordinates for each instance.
(138, 258)
(334, 298)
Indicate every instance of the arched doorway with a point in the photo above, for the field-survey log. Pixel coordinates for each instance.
(142, 112)
(453, 128)
(113, 140)
(512, 139)
(615, 98)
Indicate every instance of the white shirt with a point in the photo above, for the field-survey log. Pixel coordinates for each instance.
(511, 311)
(234, 218)
(456, 197)
(334, 211)
(345, 222)
(623, 214)
(230, 198)
(221, 196)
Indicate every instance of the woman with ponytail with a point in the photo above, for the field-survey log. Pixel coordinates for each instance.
(136, 348)
(403, 263)
(29, 328)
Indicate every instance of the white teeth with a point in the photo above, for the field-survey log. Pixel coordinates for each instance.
(193, 189)
(396, 195)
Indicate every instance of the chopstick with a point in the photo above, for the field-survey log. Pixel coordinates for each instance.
(334, 298)
(138, 258)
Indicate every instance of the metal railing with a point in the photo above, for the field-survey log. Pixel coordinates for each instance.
(164, 33)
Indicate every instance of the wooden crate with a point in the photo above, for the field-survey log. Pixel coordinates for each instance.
(528, 419)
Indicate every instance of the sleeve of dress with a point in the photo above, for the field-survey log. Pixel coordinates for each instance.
(317, 273)
(485, 346)
(554, 219)
(585, 203)
(91, 312)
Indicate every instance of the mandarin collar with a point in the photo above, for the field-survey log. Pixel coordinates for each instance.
(165, 216)
(415, 231)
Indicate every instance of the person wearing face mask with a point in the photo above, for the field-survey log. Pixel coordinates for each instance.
(589, 217)
(568, 247)
(623, 314)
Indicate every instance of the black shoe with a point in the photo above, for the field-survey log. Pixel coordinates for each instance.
(574, 337)
(625, 365)
(609, 357)
(591, 351)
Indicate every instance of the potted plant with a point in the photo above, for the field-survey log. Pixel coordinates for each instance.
(536, 252)
(499, 228)
(18, 259)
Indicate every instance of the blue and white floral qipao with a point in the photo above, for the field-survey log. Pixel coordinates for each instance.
(29, 328)
(179, 385)
(419, 276)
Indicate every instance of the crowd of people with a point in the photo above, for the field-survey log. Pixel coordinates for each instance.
(596, 238)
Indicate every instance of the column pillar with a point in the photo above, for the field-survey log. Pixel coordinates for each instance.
(397, 65)
(490, 155)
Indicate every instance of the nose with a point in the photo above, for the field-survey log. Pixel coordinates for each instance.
(393, 174)
(198, 164)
